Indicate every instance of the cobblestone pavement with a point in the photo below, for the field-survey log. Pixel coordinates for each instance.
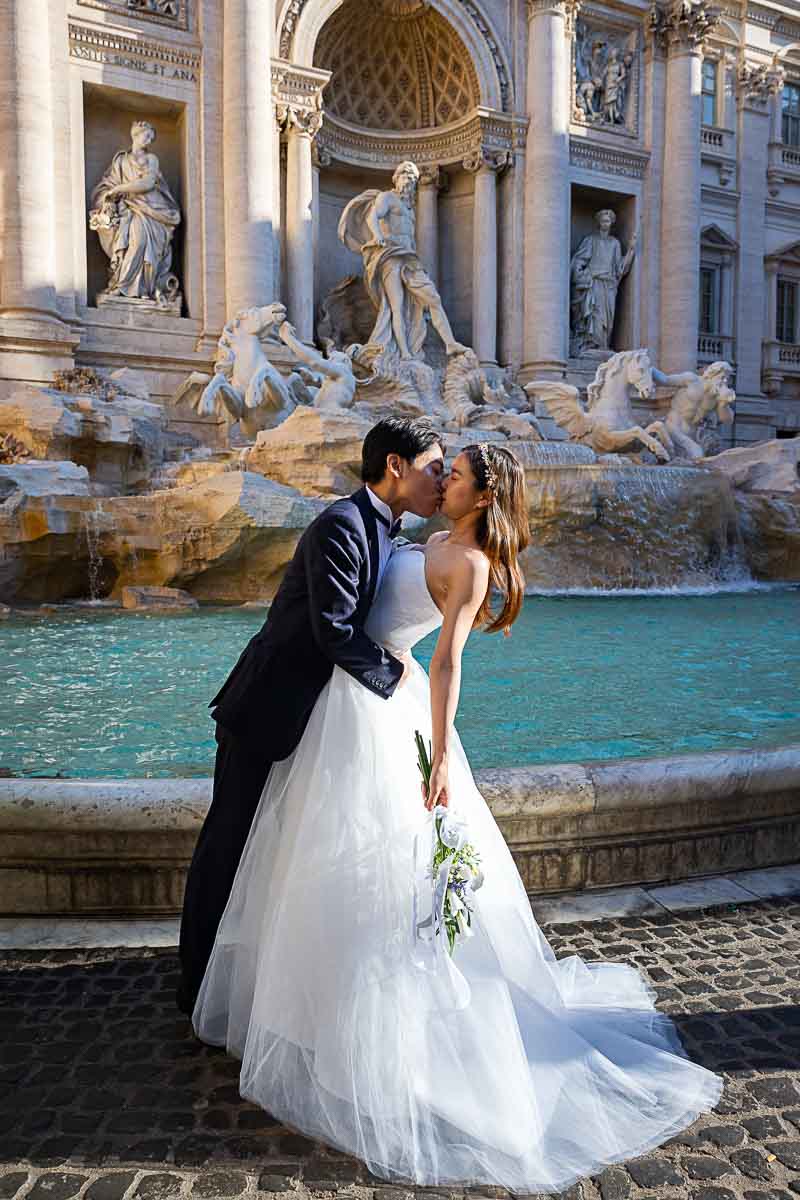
(106, 1094)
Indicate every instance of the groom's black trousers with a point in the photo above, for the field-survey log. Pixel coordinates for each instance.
(239, 778)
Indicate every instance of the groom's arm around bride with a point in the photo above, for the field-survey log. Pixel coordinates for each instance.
(315, 622)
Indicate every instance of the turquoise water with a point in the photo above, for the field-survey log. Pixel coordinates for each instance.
(89, 692)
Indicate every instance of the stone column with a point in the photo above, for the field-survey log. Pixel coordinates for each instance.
(682, 25)
(301, 126)
(431, 180)
(649, 251)
(35, 339)
(484, 253)
(319, 158)
(547, 200)
(249, 158)
(758, 89)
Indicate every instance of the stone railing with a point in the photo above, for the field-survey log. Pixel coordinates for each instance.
(783, 166)
(782, 357)
(123, 847)
(714, 347)
(718, 147)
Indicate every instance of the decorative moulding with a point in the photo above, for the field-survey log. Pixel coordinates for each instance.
(485, 132)
(165, 12)
(613, 160)
(95, 43)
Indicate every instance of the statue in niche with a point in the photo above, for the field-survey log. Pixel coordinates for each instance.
(135, 216)
(596, 269)
(614, 89)
(381, 227)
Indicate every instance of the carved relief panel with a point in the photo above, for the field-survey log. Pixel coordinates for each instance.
(606, 76)
(167, 12)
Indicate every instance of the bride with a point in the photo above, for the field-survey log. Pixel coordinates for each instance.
(503, 1066)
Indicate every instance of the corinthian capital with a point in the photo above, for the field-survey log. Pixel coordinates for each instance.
(486, 160)
(756, 84)
(683, 24)
(432, 175)
(568, 9)
(299, 117)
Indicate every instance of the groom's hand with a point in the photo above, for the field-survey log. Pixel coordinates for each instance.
(406, 660)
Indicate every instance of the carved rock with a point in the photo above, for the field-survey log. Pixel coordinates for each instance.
(770, 529)
(314, 450)
(156, 597)
(119, 441)
(765, 467)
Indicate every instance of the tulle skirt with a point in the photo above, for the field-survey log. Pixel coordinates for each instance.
(506, 1067)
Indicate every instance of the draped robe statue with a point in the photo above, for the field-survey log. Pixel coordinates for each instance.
(135, 216)
(596, 269)
(381, 227)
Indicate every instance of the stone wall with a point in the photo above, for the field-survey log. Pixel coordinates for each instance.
(123, 847)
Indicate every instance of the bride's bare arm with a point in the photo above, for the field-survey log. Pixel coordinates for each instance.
(466, 588)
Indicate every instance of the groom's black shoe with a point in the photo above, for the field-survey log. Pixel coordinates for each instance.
(184, 999)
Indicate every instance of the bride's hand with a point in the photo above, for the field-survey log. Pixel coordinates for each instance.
(437, 793)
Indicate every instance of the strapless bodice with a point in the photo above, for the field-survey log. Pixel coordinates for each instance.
(403, 612)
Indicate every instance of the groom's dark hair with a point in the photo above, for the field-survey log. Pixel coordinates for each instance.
(405, 436)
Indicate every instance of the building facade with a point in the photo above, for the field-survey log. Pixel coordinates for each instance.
(526, 120)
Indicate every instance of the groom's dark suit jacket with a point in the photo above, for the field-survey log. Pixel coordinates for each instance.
(315, 622)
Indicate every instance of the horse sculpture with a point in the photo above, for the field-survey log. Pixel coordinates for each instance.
(251, 390)
(607, 423)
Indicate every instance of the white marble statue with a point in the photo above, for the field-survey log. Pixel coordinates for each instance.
(607, 424)
(247, 386)
(380, 226)
(597, 267)
(135, 215)
(698, 399)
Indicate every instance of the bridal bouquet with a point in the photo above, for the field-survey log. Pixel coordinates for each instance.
(454, 869)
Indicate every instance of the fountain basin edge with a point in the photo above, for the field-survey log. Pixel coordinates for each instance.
(122, 847)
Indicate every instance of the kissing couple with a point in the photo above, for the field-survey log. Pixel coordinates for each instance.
(298, 942)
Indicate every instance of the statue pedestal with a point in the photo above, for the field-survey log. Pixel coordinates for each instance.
(109, 302)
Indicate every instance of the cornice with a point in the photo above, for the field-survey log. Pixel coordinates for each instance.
(95, 43)
(484, 132)
(596, 156)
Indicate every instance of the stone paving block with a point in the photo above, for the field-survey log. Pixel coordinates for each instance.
(11, 1183)
(214, 1184)
(60, 1185)
(110, 1187)
(160, 1186)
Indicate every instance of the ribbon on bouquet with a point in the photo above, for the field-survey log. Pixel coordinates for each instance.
(429, 897)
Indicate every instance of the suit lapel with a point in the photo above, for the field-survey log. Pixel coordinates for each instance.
(364, 506)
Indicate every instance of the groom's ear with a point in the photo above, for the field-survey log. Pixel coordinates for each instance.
(394, 466)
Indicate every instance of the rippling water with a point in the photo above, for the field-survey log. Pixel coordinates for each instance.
(94, 693)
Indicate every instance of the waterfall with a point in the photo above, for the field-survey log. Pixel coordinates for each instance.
(93, 528)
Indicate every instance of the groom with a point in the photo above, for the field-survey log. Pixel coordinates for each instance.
(315, 622)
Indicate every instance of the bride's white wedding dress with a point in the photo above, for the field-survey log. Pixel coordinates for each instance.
(548, 1071)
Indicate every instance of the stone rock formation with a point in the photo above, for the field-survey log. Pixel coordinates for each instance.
(225, 540)
(120, 441)
(770, 531)
(316, 451)
(765, 467)
(163, 598)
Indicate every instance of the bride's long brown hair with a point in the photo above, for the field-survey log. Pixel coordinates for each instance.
(502, 531)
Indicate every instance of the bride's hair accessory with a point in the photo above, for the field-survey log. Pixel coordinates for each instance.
(489, 473)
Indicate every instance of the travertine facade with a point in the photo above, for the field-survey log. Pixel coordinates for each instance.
(525, 117)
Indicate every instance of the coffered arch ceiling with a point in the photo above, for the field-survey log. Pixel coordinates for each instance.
(395, 65)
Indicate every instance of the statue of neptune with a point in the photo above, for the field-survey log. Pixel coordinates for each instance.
(380, 226)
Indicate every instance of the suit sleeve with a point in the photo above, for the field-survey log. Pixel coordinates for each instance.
(334, 556)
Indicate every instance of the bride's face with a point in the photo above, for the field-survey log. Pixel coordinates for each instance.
(461, 494)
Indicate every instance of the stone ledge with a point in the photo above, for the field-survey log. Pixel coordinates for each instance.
(123, 846)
